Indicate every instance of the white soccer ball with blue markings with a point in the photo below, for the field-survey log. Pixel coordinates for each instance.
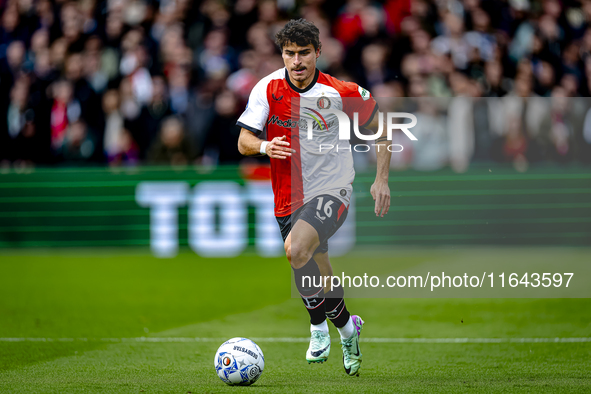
(239, 362)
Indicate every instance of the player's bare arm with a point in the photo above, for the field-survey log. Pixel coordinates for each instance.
(380, 191)
(250, 145)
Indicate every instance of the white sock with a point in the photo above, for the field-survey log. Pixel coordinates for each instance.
(347, 330)
(322, 327)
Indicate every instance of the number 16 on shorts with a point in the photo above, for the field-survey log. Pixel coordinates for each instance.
(327, 210)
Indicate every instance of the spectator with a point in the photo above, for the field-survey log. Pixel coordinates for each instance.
(21, 142)
(128, 153)
(39, 41)
(216, 57)
(93, 70)
(151, 116)
(347, 27)
(113, 124)
(430, 151)
(557, 129)
(242, 81)
(172, 146)
(130, 108)
(63, 63)
(64, 110)
(71, 24)
(480, 37)
(545, 79)
(453, 41)
(460, 123)
(78, 145)
(11, 29)
(223, 137)
(133, 66)
(373, 70)
(59, 50)
(180, 89)
(333, 54)
(11, 66)
(83, 92)
(494, 84)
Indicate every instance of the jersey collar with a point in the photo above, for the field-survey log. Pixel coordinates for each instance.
(298, 90)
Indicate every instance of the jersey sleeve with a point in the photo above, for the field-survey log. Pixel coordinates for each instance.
(361, 101)
(254, 117)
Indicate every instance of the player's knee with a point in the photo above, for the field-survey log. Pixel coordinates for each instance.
(288, 252)
(299, 257)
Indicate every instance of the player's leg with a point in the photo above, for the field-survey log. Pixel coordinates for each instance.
(307, 239)
(299, 248)
(336, 310)
(308, 282)
(349, 327)
(309, 289)
(321, 258)
(303, 241)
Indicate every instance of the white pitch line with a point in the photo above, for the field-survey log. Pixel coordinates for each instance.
(304, 339)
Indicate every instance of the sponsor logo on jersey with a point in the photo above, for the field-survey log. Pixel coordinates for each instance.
(318, 118)
(292, 123)
(364, 93)
(289, 123)
(323, 103)
(318, 126)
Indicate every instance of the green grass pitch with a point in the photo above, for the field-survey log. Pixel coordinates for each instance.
(72, 311)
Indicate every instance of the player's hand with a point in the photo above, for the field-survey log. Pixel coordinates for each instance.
(380, 191)
(278, 148)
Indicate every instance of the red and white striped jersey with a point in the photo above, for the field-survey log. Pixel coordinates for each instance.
(280, 108)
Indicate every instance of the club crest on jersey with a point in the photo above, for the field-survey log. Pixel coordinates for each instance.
(323, 103)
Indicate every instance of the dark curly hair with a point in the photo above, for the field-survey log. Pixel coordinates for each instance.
(300, 32)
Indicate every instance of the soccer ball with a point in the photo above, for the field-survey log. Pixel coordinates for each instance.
(239, 361)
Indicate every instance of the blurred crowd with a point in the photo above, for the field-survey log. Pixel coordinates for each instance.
(164, 81)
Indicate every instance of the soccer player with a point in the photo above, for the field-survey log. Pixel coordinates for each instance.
(312, 178)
